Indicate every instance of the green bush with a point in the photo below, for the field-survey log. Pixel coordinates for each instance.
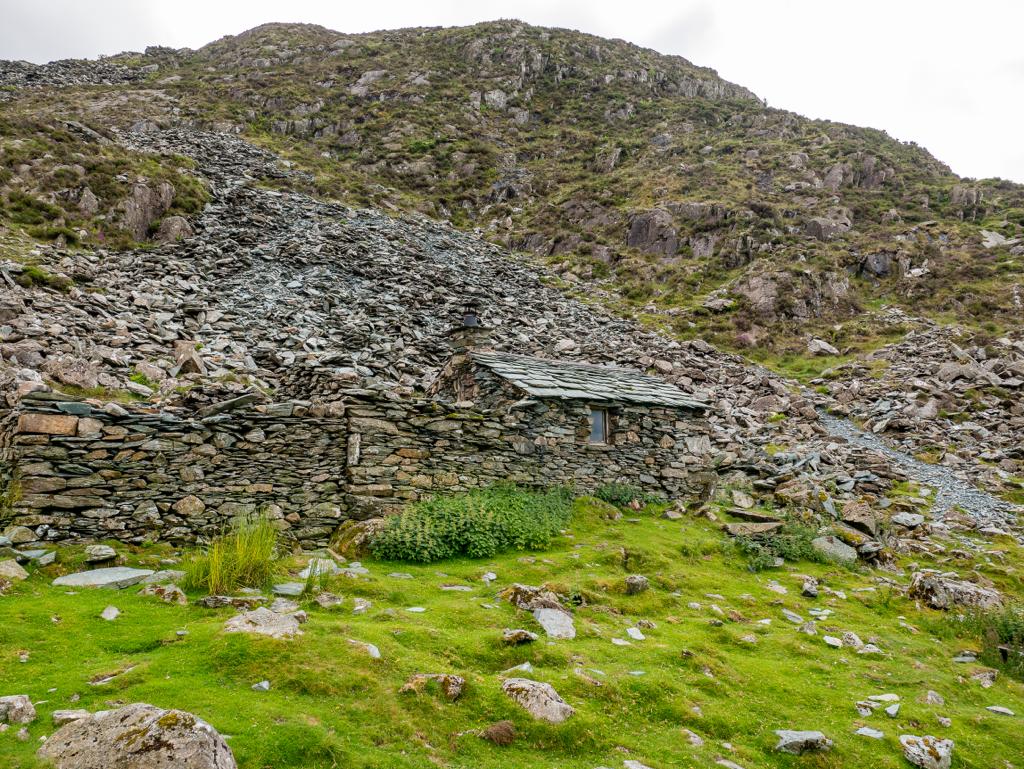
(246, 556)
(791, 543)
(478, 524)
(620, 494)
(1002, 638)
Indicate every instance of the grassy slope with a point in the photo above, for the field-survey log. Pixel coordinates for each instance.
(331, 705)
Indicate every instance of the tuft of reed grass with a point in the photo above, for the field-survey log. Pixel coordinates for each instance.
(244, 556)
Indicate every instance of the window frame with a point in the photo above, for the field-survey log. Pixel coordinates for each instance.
(605, 426)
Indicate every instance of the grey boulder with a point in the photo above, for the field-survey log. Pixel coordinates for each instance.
(138, 736)
(263, 621)
(540, 700)
(927, 752)
(17, 709)
(797, 742)
(941, 591)
(834, 549)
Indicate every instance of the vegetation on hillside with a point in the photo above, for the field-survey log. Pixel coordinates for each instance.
(477, 524)
(719, 659)
(63, 182)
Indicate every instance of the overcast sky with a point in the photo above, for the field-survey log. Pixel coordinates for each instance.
(946, 74)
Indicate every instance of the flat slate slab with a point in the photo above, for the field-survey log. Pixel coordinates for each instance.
(114, 577)
(556, 623)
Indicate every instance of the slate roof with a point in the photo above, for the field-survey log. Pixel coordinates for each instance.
(563, 380)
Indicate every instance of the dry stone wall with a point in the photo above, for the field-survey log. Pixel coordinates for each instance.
(133, 477)
(85, 472)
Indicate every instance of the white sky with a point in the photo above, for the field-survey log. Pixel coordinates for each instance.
(944, 73)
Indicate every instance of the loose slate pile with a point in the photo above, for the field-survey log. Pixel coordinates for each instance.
(940, 391)
(66, 73)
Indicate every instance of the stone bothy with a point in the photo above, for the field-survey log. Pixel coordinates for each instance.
(80, 470)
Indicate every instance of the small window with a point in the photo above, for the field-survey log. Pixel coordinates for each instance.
(598, 425)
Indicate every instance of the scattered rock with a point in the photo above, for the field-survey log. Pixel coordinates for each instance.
(166, 593)
(943, 592)
(867, 731)
(370, 649)
(117, 577)
(263, 621)
(821, 347)
(798, 742)
(138, 736)
(834, 549)
(540, 700)
(328, 600)
(517, 636)
(451, 685)
(99, 553)
(927, 752)
(235, 601)
(61, 717)
(636, 584)
(110, 613)
(502, 733)
(1000, 710)
(16, 709)
(11, 570)
(556, 622)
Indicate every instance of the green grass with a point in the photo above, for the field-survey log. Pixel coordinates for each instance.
(245, 556)
(330, 705)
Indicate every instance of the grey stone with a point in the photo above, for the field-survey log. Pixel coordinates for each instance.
(99, 553)
(801, 741)
(908, 520)
(834, 549)
(137, 736)
(10, 569)
(556, 622)
(940, 591)
(290, 589)
(112, 577)
(636, 583)
(927, 752)
(263, 621)
(540, 700)
(16, 709)
(61, 717)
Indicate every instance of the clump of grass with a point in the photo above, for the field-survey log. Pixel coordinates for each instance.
(478, 524)
(245, 556)
(1002, 638)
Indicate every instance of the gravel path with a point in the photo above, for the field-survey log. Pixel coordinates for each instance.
(950, 490)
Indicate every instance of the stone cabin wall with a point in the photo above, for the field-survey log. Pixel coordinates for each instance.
(137, 477)
(152, 476)
(401, 451)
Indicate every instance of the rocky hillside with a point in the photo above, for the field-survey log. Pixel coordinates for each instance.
(151, 247)
(646, 180)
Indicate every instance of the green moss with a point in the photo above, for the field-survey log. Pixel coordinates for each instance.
(34, 275)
